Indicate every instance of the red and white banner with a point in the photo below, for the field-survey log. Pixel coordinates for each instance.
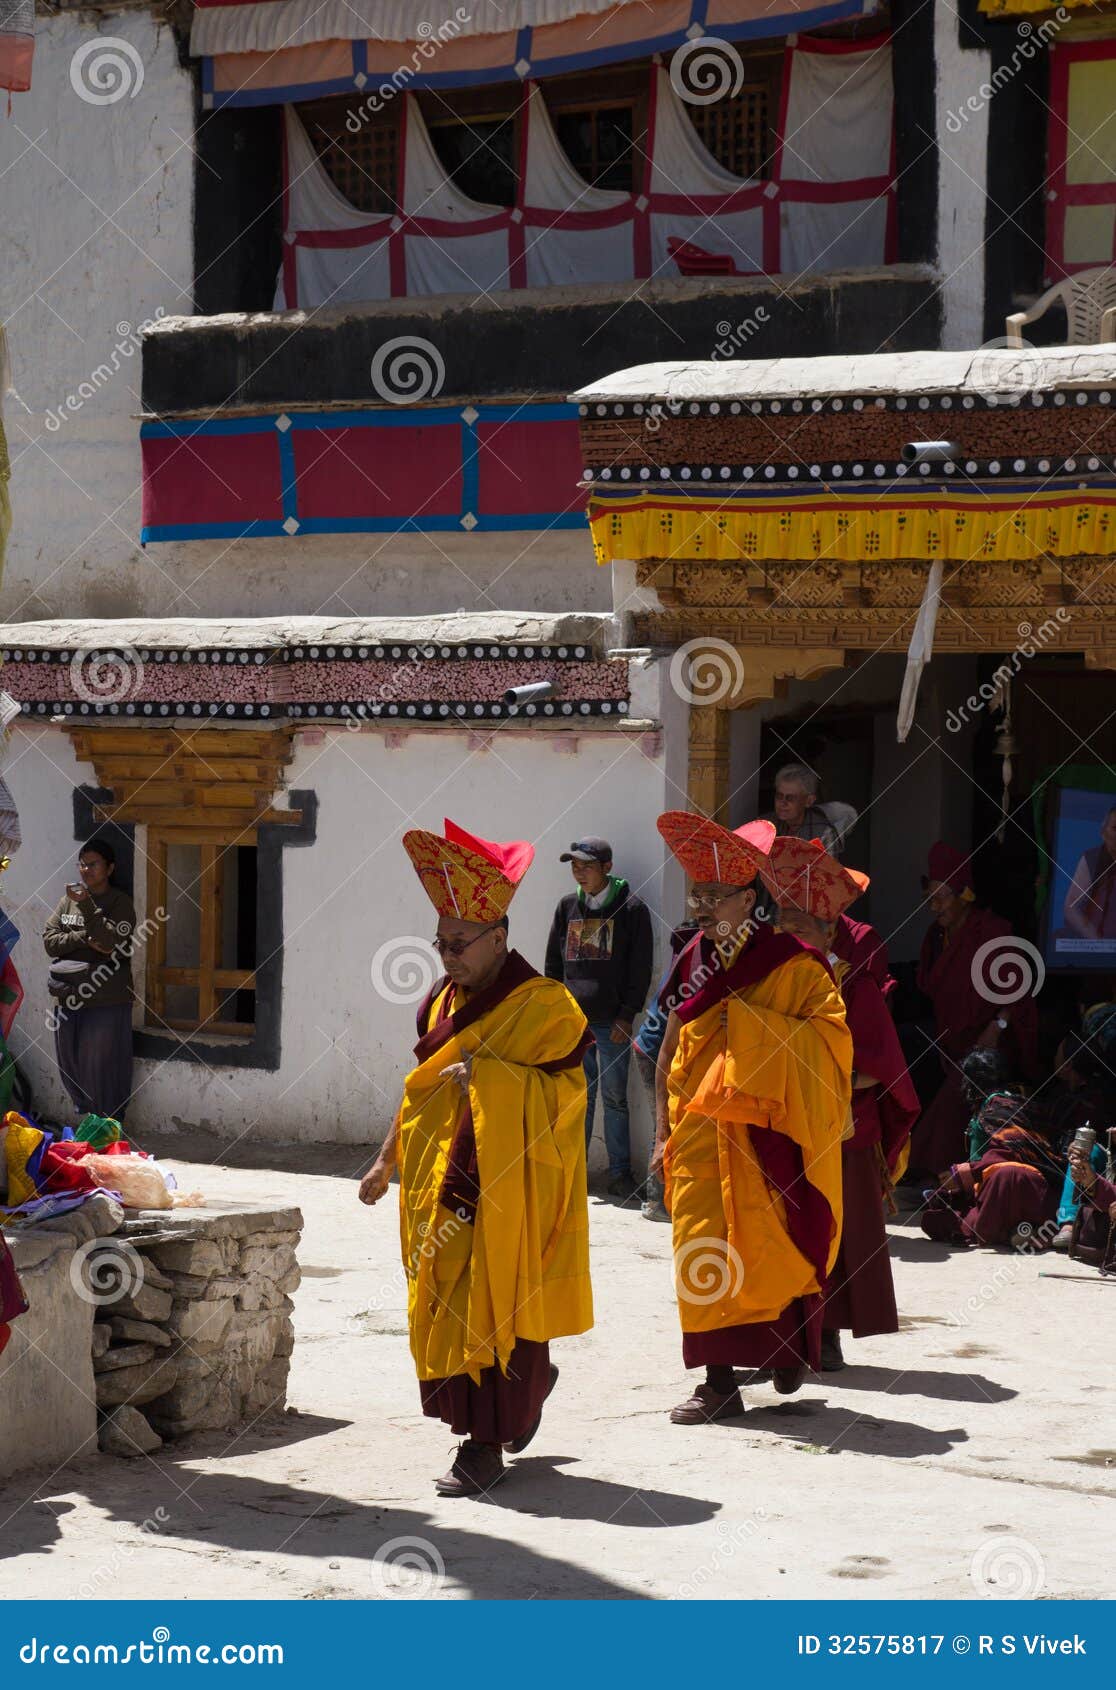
(828, 203)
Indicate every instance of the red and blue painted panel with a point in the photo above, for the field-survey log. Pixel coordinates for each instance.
(390, 471)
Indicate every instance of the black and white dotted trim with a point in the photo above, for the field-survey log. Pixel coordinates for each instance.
(562, 709)
(418, 711)
(849, 470)
(662, 409)
(317, 654)
(150, 710)
(436, 653)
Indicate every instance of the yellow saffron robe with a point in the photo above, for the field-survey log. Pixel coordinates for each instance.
(521, 1269)
(777, 1054)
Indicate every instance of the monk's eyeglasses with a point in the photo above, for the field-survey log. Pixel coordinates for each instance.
(710, 900)
(458, 947)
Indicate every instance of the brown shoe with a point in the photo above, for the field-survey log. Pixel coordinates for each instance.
(1063, 1238)
(705, 1405)
(787, 1380)
(520, 1444)
(476, 1468)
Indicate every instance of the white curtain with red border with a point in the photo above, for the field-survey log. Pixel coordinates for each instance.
(826, 204)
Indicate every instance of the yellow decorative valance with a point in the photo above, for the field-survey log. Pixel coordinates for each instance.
(971, 528)
(1021, 8)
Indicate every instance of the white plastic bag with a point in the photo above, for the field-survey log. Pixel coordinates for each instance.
(136, 1178)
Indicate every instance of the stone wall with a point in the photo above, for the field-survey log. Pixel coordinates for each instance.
(193, 1321)
(48, 1413)
(147, 1325)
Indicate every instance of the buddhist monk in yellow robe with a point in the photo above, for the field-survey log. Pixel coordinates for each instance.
(489, 1144)
(813, 891)
(754, 1100)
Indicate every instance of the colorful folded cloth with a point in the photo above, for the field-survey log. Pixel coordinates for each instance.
(40, 1165)
(98, 1131)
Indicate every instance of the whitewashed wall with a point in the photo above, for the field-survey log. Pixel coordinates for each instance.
(97, 215)
(962, 136)
(345, 1047)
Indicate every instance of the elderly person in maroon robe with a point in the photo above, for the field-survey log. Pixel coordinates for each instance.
(968, 968)
(812, 891)
(1009, 1194)
(1096, 1230)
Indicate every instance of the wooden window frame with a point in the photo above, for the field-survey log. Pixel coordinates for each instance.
(211, 981)
(339, 152)
(761, 69)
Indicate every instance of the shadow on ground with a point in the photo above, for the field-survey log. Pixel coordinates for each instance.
(923, 1382)
(223, 1511)
(818, 1425)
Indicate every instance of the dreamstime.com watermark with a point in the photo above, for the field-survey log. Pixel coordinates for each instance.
(1032, 1241)
(407, 370)
(85, 990)
(731, 1539)
(107, 677)
(160, 1651)
(356, 713)
(400, 80)
(733, 337)
(1031, 40)
(407, 1567)
(1004, 371)
(690, 384)
(433, 1237)
(104, 1580)
(104, 1271)
(707, 1271)
(1007, 1568)
(706, 70)
(105, 70)
(1031, 643)
(404, 970)
(127, 344)
(706, 671)
(1006, 969)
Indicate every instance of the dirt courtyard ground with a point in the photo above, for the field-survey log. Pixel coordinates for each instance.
(972, 1454)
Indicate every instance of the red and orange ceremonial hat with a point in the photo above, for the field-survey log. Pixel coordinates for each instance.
(802, 874)
(465, 877)
(712, 855)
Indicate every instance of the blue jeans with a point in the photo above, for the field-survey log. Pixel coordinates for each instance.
(612, 1062)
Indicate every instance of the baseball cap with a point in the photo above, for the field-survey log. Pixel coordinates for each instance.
(588, 851)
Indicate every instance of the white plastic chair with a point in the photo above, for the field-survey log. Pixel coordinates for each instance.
(1089, 298)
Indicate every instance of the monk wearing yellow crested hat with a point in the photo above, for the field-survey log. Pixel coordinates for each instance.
(813, 891)
(489, 1143)
(754, 1091)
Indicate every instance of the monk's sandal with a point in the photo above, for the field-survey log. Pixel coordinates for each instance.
(706, 1405)
(476, 1468)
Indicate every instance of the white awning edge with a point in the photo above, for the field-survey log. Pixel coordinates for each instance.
(270, 25)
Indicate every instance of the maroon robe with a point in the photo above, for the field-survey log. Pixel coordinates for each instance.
(12, 1299)
(858, 944)
(1095, 1239)
(1017, 1182)
(860, 1293)
(964, 1017)
(794, 1340)
(503, 1405)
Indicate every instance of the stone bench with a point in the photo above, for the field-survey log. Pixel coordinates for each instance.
(183, 1314)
